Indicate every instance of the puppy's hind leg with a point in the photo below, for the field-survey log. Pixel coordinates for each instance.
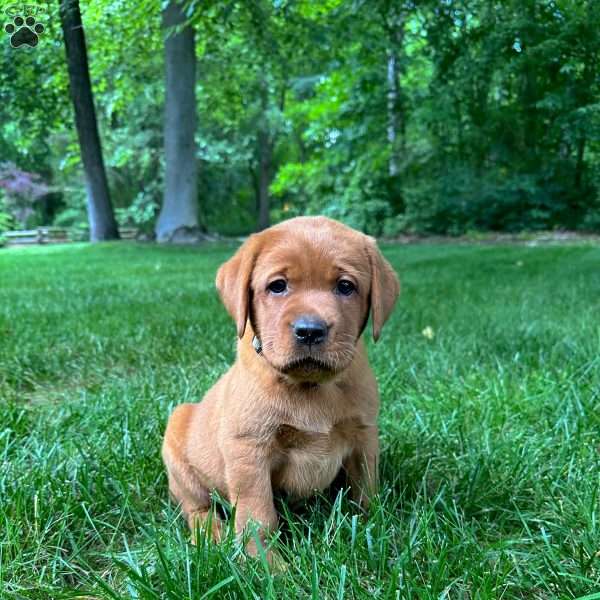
(193, 497)
(361, 468)
(198, 511)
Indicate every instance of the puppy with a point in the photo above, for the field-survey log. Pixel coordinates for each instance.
(300, 402)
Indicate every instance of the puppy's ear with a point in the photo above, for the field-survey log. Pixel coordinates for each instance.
(385, 287)
(233, 282)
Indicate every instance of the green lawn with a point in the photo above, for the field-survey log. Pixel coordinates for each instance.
(490, 430)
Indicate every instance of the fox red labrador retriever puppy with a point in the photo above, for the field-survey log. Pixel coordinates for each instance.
(300, 402)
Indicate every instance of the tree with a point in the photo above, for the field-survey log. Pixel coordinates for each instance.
(393, 15)
(178, 219)
(392, 115)
(265, 154)
(103, 225)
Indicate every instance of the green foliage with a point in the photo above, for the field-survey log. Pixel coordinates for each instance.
(591, 221)
(519, 80)
(6, 220)
(351, 198)
(141, 213)
(456, 202)
(496, 113)
(21, 194)
(489, 430)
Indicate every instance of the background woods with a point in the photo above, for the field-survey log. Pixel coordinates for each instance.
(438, 116)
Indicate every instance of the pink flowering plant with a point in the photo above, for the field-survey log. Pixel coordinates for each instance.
(19, 192)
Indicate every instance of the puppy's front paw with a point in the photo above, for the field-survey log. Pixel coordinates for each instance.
(205, 521)
(277, 564)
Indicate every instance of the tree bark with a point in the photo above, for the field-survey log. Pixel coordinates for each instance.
(265, 154)
(392, 98)
(178, 219)
(103, 225)
(264, 179)
(579, 164)
(396, 123)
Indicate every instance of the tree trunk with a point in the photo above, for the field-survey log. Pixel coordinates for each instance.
(579, 164)
(178, 219)
(103, 225)
(392, 99)
(264, 179)
(396, 122)
(265, 154)
(529, 98)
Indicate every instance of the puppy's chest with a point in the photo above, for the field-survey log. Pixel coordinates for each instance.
(308, 460)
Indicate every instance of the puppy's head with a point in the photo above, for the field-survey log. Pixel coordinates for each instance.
(307, 286)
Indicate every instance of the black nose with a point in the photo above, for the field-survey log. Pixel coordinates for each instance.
(309, 330)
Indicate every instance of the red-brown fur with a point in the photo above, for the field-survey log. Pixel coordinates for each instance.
(270, 423)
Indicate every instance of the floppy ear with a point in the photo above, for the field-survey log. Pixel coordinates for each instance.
(233, 282)
(385, 287)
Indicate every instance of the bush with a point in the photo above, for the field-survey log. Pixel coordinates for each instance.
(355, 193)
(6, 220)
(142, 212)
(74, 214)
(459, 201)
(21, 191)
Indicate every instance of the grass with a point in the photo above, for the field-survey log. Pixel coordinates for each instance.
(490, 430)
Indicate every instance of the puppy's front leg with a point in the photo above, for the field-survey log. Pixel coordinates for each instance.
(362, 468)
(249, 487)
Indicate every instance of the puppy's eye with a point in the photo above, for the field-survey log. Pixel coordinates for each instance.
(345, 287)
(278, 286)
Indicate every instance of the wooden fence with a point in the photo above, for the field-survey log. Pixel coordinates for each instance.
(53, 235)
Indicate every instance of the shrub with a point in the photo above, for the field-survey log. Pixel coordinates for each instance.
(22, 190)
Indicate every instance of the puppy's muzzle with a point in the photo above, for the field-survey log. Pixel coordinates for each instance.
(310, 331)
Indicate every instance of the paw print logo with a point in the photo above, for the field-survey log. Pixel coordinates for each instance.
(24, 31)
